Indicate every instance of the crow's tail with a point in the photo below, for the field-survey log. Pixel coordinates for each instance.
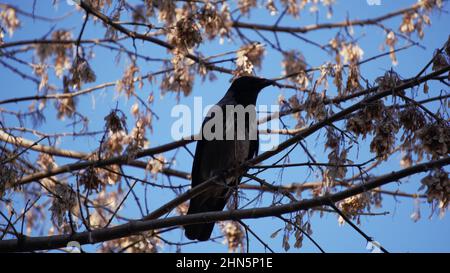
(203, 203)
(201, 232)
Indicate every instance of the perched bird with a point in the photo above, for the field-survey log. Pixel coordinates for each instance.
(215, 156)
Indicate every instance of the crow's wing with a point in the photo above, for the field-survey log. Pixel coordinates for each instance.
(212, 157)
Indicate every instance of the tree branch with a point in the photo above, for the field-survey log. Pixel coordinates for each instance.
(346, 23)
(134, 227)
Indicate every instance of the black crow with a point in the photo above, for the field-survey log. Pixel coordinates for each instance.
(213, 156)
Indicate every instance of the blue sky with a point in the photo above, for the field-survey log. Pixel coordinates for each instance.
(395, 231)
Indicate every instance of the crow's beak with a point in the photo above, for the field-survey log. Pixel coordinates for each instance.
(267, 82)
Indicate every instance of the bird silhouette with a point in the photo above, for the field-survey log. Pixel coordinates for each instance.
(214, 156)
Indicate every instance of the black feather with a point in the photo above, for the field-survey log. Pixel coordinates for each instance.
(215, 156)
